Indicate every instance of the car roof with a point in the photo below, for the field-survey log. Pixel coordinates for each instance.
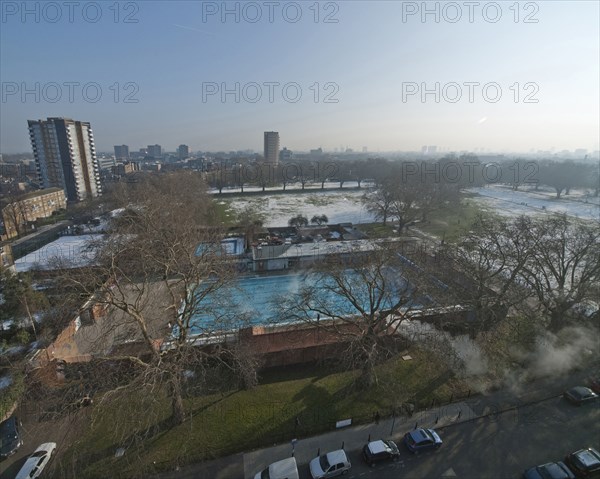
(377, 447)
(283, 467)
(581, 391)
(588, 457)
(420, 434)
(553, 470)
(335, 457)
(9, 423)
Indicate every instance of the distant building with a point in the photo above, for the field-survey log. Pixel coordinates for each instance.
(106, 163)
(31, 207)
(121, 152)
(122, 169)
(183, 152)
(151, 167)
(271, 149)
(155, 151)
(65, 156)
(286, 155)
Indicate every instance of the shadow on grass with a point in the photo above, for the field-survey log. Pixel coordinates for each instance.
(134, 440)
(204, 407)
(294, 372)
(425, 394)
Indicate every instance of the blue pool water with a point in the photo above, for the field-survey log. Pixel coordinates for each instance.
(257, 300)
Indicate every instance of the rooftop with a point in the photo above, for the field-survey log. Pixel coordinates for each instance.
(316, 249)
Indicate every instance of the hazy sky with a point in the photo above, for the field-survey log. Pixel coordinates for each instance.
(375, 61)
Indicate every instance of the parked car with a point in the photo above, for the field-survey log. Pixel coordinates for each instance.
(552, 470)
(595, 385)
(284, 469)
(382, 450)
(584, 463)
(36, 463)
(332, 464)
(10, 439)
(580, 395)
(422, 440)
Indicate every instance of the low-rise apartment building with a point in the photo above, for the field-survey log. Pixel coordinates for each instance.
(31, 207)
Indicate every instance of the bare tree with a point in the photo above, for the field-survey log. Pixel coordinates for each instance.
(19, 298)
(15, 214)
(379, 202)
(361, 298)
(405, 206)
(251, 220)
(487, 265)
(565, 269)
(162, 273)
(298, 220)
(319, 220)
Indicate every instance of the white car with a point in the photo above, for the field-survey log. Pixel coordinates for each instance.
(36, 463)
(284, 469)
(332, 464)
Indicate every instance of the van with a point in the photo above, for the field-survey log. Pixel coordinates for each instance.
(285, 469)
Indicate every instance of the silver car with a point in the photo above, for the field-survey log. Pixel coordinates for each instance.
(332, 464)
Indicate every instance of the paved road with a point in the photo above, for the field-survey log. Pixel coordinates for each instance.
(495, 447)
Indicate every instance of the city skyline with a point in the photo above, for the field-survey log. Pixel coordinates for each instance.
(526, 81)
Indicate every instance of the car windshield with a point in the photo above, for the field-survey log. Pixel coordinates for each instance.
(392, 446)
(265, 474)
(39, 454)
(324, 463)
(551, 471)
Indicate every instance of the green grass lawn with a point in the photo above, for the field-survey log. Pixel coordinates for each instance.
(448, 223)
(222, 424)
(377, 230)
(224, 214)
(451, 222)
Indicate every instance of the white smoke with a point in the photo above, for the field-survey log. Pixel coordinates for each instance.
(462, 353)
(553, 355)
(560, 353)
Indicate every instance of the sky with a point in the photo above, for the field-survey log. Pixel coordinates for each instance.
(388, 75)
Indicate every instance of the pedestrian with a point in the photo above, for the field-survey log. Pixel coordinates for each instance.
(377, 417)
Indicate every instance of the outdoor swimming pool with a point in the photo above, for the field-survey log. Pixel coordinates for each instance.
(256, 299)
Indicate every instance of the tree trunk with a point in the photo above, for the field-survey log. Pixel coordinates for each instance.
(177, 409)
(558, 192)
(368, 378)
